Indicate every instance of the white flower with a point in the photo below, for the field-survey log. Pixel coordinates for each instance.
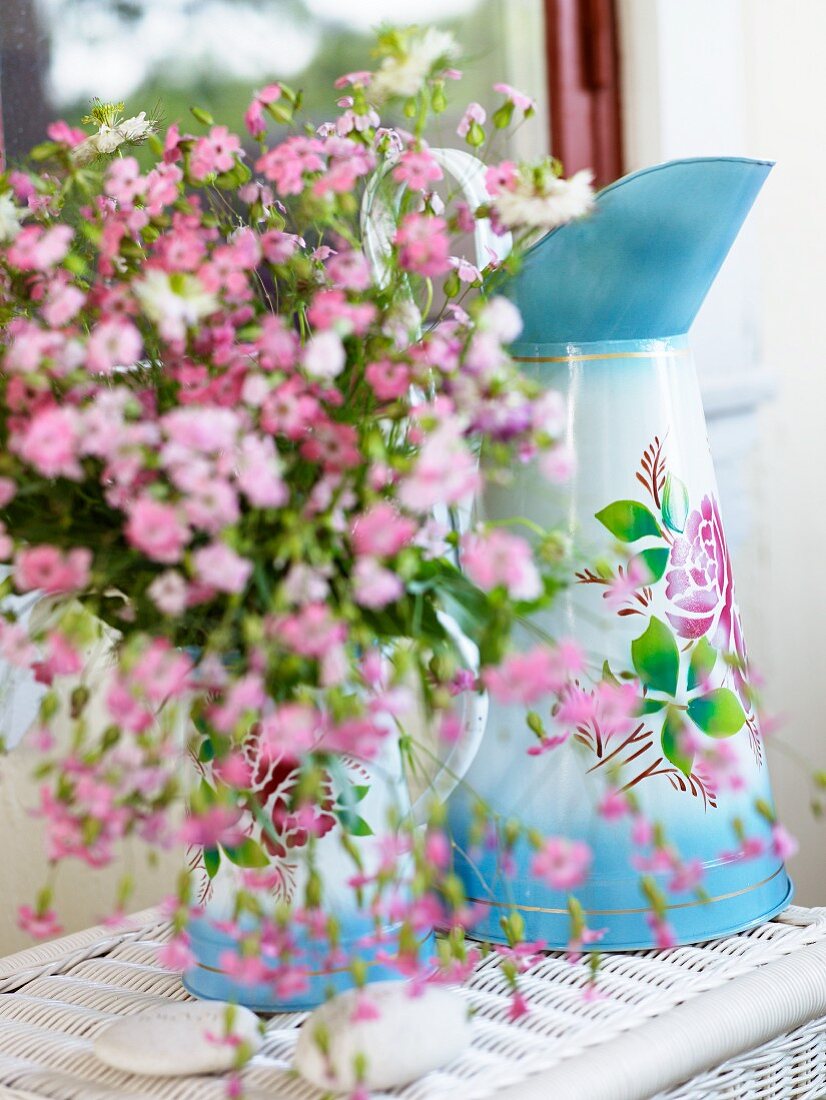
(175, 301)
(324, 356)
(136, 129)
(559, 201)
(501, 318)
(405, 76)
(10, 217)
(109, 138)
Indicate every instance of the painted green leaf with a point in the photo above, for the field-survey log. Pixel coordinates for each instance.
(212, 861)
(352, 823)
(247, 854)
(608, 675)
(206, 753)
(651, 706)
(671, 736)
(675, 503)
(703, 660)
(656, 658)
(651, 564)
(628, 521)
(719, 713)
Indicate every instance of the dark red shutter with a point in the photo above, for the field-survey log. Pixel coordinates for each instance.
(583, 86)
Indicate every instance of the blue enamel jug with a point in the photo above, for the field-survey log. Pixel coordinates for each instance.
(607, 302)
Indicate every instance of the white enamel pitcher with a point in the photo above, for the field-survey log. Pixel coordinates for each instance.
(606, 303)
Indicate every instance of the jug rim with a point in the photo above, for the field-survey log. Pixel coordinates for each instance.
(673, 163)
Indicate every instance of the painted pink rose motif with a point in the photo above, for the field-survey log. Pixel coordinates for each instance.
(699, 581)
(700, 584)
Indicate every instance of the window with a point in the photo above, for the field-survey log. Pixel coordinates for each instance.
(583, 85)
(164, 56)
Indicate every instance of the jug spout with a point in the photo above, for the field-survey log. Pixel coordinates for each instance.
(641, 264)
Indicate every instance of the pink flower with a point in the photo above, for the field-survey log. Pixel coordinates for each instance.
(168, 592)
(214, 153)
(784, 844)
(162, 187)
(40, 924)
(417, 168)
(518, 1006)
(445, 471)
(64, 301)
(217, 825)
(124, 181)
(349, 160)
(686, 876)
(526, 677)
(259, 473)
(381, 531)
(423, 245)
(497, 558)
(364, 1009)
(219, 567)
(157, 530)
(558, 463)
(292, 730)
(373, 585)
(466, 271)
(349, 270)
(50, 443)
(474, 112)
(36, 249)
(113, 343)
(176, 953)
(389, 380)
(664, 936)
(501, 177)
(287, 163)
(520, 101)
(361, 76)
(62, 659)
(254, 116)
(47, 568)
(562, 863)
(324, 356)
(61, 132)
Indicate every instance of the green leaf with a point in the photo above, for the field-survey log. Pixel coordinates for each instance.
(703, 660)
(673, 726)
(675, 503)
(212, 861)
(719, 714)
(247, 854)
(656, 657)
(652, 563)
(628, 521)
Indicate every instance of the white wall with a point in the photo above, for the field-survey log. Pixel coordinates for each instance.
(786, 85)
(746, 77)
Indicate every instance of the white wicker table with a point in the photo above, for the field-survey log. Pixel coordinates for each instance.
(743, 1017)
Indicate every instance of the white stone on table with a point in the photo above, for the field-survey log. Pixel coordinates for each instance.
(412, 1034)
(171, 1040)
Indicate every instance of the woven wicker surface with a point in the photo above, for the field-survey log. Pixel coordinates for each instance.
(55, 999)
